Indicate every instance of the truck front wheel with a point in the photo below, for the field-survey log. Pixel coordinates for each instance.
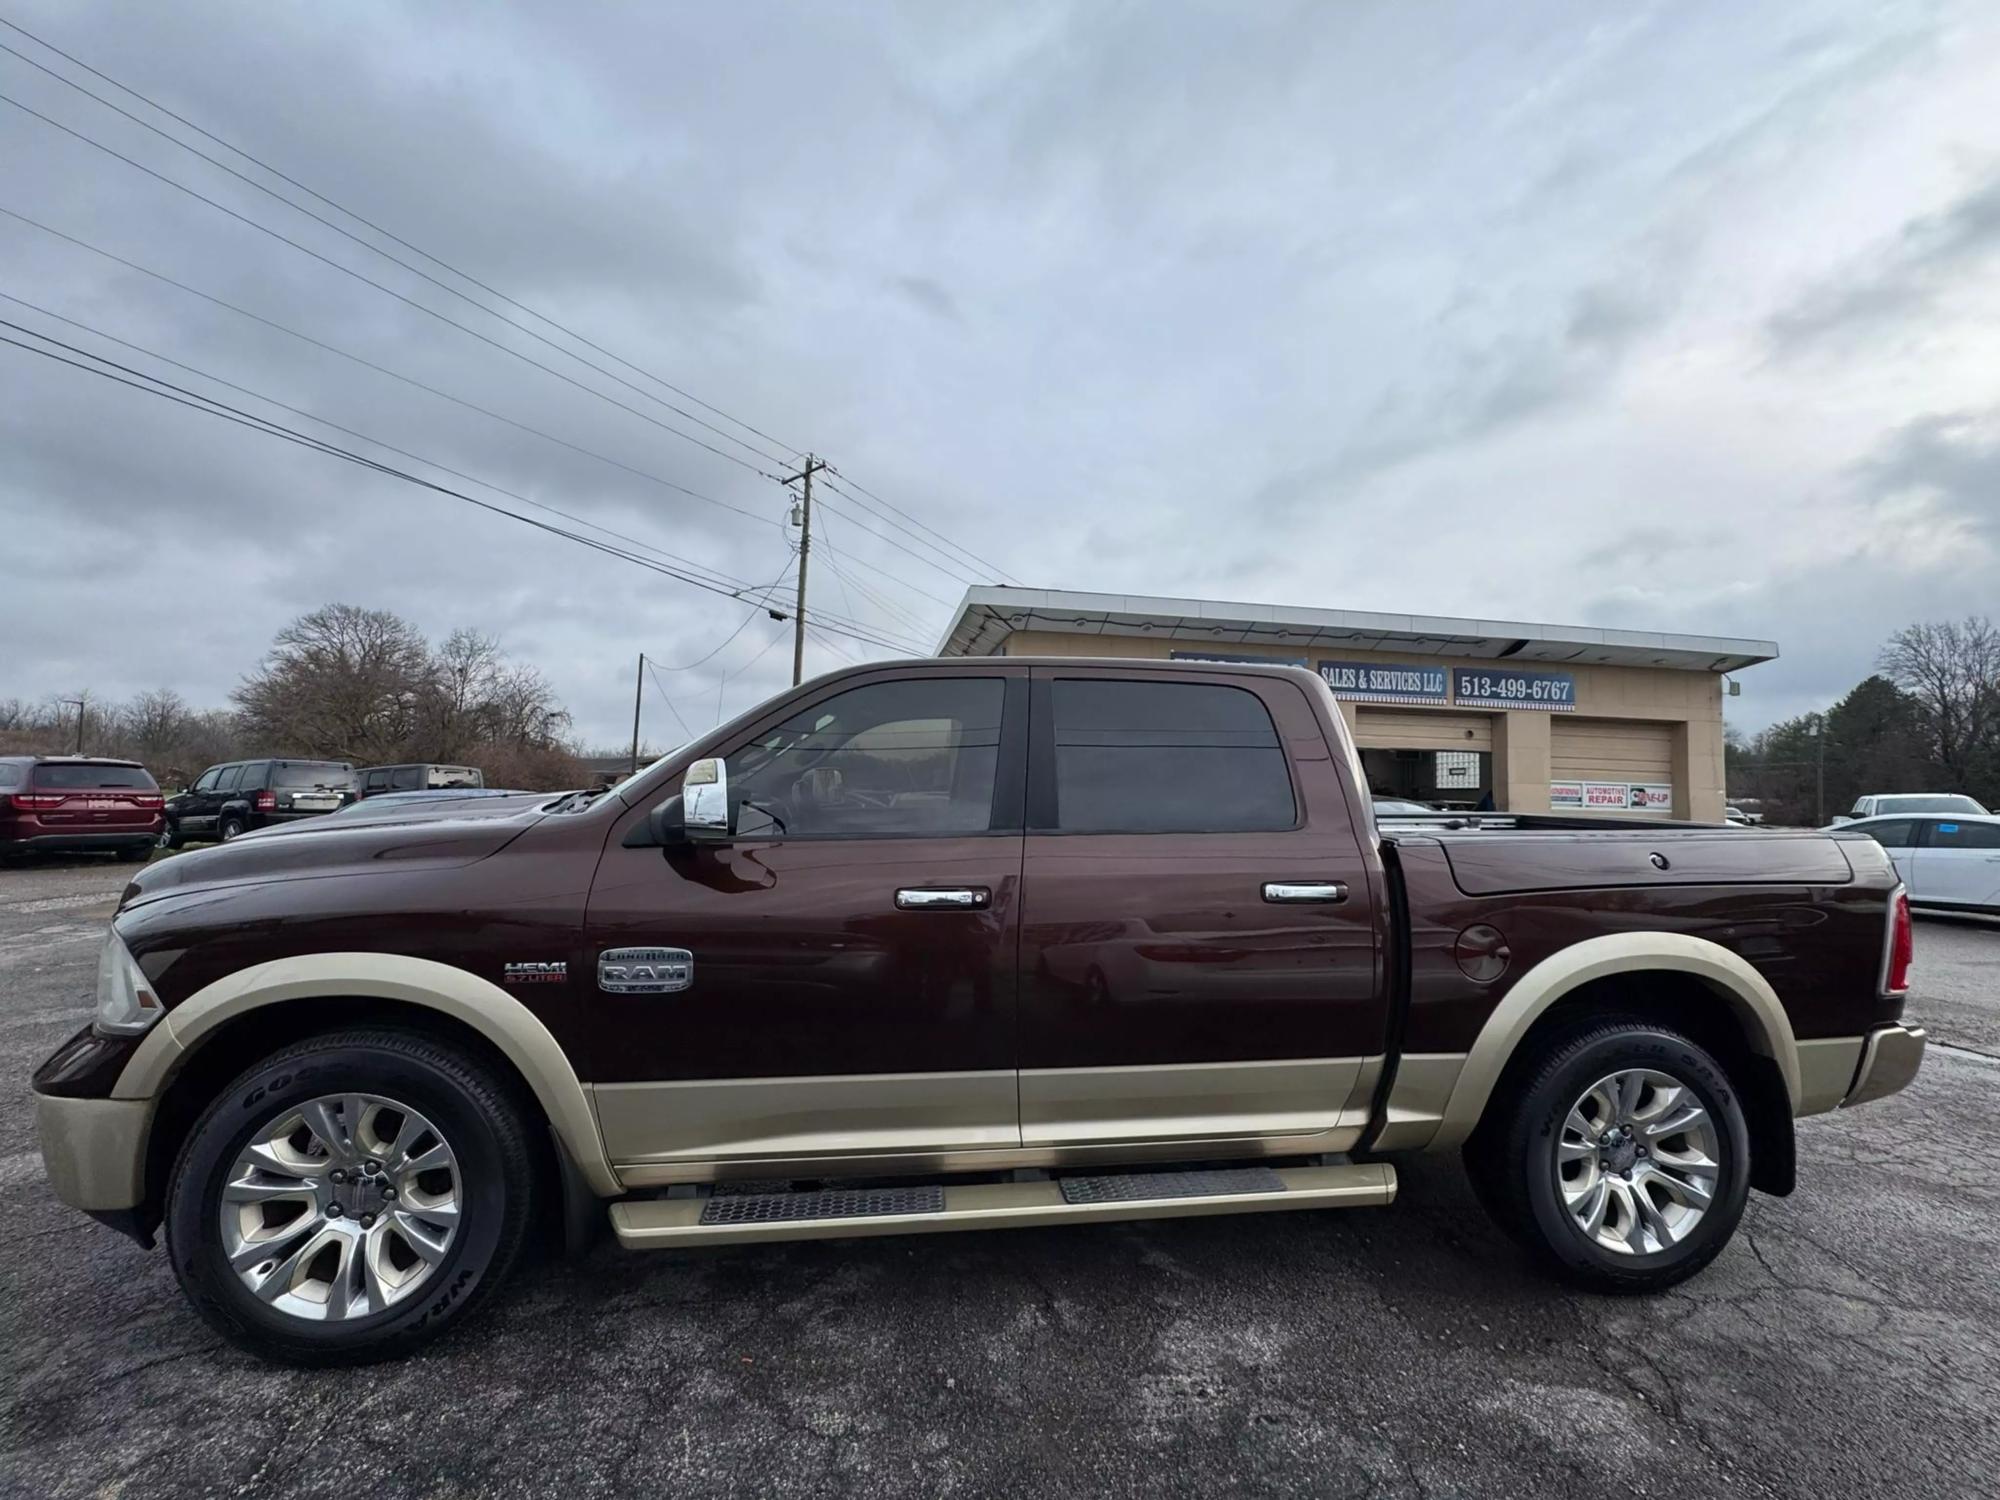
(1622, 1158)
(350, 1197)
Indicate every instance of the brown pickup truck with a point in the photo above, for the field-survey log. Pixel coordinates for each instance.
(953, 945)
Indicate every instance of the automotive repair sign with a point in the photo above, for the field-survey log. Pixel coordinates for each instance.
(1611, 796)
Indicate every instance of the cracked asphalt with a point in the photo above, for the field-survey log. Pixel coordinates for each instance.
(1848, 1341)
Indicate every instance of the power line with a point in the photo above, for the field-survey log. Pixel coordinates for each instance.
(741, 627)
(993, 568)
(349, 431)
(209, 406)
(889, 607)
(369, 364)
(326, 260)
(686, 733)
(350, 213)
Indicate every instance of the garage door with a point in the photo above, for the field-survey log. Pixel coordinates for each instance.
(1414, 729)
(1610, 750)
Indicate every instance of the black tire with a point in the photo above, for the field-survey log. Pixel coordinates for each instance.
(471, 1107)
(131, 854)
(1512, 1159)
(171, 838)
(228, 828)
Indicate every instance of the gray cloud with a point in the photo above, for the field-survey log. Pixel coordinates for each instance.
(1323, 306)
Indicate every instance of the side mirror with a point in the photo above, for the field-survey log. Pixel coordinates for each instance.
(706, 814)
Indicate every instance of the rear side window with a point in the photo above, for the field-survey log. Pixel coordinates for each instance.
(11, 775)
(1893, 833)
(83, 778)
(305, 773)
(407, 778)
(1947, 834)
(231, 778)
(1167, 757)
(256, 774)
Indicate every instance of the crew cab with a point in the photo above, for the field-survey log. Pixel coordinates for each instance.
(947, 945)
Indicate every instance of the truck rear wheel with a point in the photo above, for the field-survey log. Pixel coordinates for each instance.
(1622, 1159)
(350, 1197)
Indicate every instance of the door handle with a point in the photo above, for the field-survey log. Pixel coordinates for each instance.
(944, 898)
(1324, 892)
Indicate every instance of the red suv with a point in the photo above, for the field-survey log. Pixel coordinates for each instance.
(71, 802)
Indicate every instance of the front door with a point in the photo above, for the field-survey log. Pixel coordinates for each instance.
(851, 954)
(1198, 944)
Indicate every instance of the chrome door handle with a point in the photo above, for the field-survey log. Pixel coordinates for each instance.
(944, 898)
(1326, 892)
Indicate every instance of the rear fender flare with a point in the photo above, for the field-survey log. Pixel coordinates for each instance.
(478, 1003)
(1749, 996)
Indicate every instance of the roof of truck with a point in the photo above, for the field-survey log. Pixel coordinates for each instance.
(987, 615)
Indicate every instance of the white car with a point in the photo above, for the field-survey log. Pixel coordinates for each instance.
(1884, 803)
(1950, 862)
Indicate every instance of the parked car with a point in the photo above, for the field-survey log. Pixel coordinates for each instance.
(1735, 815)
(1950, 862)
(1911, 802)
(1390, 807)
(953, 963)
(241, 795)
(66, 803)
(378, 780)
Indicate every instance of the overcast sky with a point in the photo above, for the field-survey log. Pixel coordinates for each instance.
(1651, 316)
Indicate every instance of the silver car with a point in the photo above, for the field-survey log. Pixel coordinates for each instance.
(1949, 861)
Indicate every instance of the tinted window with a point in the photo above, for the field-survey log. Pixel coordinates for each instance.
(407, 778)
(66, 778)
(232, 778)
(11, 775)
(209, 779)
(309, 773)
(911, 757)
(1892, 833)
(1946, 834)
(256, 774)
(378, 781)
(1166, 757)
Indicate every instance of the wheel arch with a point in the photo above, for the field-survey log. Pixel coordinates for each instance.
(246, 1014)
(1696, 967)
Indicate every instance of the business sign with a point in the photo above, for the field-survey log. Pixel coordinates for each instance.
(1386, 682)
(1238, 658)
(1611, 796)
(1484, 687)
(1457, 770)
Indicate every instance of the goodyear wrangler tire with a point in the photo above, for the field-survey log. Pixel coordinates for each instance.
(350, 1197)
(1621, 1160)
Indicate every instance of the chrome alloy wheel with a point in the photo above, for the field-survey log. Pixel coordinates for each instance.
(1637, 1161)
(340, 1207)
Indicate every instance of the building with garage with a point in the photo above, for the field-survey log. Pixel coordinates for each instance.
(1455, 712)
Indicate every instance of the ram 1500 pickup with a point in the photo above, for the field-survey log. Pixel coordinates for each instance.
(953, 945)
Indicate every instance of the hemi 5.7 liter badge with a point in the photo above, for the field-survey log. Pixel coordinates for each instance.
(535, 973)
(644, 971)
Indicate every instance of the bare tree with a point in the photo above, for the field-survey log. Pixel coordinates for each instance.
(1951, 671)
(343, 682)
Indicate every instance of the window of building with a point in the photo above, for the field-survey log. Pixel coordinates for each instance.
(892, 759)
(1167, 757)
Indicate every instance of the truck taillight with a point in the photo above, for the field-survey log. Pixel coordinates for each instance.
(38, 801)
(266, 801)
(1902, 945)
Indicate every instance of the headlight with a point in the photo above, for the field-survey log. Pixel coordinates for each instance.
(126, 1004)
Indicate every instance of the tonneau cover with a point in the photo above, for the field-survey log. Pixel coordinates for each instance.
(1501, 863)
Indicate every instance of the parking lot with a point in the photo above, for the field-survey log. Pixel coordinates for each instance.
(1847, 1341)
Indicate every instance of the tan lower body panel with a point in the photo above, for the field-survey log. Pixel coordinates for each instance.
(1192, 1101)
(1826, 1072)
(668, 1224)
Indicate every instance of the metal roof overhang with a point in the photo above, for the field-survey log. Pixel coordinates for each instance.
(988, 615)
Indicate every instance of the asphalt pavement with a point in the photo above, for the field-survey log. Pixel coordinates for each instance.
(1847, 1342)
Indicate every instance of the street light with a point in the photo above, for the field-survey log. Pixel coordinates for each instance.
(78, 704)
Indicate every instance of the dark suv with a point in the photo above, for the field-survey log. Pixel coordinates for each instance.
(67, 802)
(419, 777)
(241, 795)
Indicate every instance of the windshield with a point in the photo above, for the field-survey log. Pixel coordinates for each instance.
(619, 788)
(1928, 804)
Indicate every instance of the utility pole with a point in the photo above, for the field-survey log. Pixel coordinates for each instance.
(78, 704)
(813, 466)
(1819, 775)
(638, 687)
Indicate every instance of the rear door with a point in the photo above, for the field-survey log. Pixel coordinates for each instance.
(1199, 951)
(850, 957)
(1898, 836)
(1958, 862)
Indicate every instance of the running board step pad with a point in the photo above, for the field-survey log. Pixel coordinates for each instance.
(670, 1223)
